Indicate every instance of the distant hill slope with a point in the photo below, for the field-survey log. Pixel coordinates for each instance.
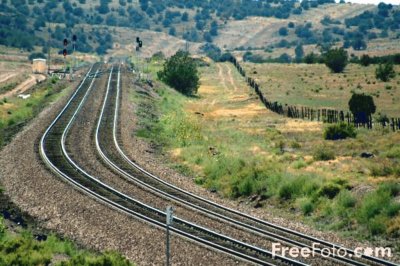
(263, 32)
(230, 24)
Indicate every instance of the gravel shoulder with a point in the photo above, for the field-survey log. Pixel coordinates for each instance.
(57, 206)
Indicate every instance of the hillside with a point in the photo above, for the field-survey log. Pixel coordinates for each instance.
(265, 26)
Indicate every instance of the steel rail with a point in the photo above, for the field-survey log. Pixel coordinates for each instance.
(120, 207)
(330, 245)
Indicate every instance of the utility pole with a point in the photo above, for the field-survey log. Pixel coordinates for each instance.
(48, 50)
(170, 217)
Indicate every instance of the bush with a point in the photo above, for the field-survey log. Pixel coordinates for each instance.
(323, 154)
(378, 207)
(180, 72)
(297, 186)
(385, 72)
(393, 152)
(339, 131)
(306, 206)
(365, 60)
(329, 190)
(345, 199)
(336, 60)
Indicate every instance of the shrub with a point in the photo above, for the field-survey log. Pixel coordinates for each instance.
(306, 206)
(339, 131)
(283, 31)
(345, 199)
(329, 190)
(297, 186)
(378, 207)
(323, 154)
(180, 72)
(336, 60)
(2, 227)
(385, 72)
(365, 60)
(393, 152)
(299, 164)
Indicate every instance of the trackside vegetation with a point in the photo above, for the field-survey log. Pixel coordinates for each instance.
(16, 112)
(242, 158)
(23, 249)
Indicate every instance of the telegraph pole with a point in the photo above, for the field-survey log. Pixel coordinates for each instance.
(48, 50)
(170, 217)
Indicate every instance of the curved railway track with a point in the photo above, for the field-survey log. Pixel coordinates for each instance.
(53, 151)
(106, 138)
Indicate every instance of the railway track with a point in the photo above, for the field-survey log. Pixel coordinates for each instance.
(110, 151)
(53, 152)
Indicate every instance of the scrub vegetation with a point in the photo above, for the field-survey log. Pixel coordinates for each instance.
(230, 144)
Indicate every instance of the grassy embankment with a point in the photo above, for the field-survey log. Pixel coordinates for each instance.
(21, 248)
(231, 144)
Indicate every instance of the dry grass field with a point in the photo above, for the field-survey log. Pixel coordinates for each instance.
(315, 86)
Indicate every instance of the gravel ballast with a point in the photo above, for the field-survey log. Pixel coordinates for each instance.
(58, 206)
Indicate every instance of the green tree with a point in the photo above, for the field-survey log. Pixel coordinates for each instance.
(362, 106)
(299, 51)
(283, 31)
(365, 60)
(385, 72)
(180, 72)
(336, 60)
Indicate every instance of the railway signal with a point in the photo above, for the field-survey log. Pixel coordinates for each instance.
(65, 52)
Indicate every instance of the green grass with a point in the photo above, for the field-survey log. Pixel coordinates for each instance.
(23, 249)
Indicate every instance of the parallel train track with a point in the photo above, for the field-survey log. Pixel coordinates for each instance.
(53, 152)
(109, 149)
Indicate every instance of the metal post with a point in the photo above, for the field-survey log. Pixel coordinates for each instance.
(48, 50)
(169, 218)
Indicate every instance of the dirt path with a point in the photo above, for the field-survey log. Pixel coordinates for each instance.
(24, 86)
(231, 80)
(5, 77)
(221, 76)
